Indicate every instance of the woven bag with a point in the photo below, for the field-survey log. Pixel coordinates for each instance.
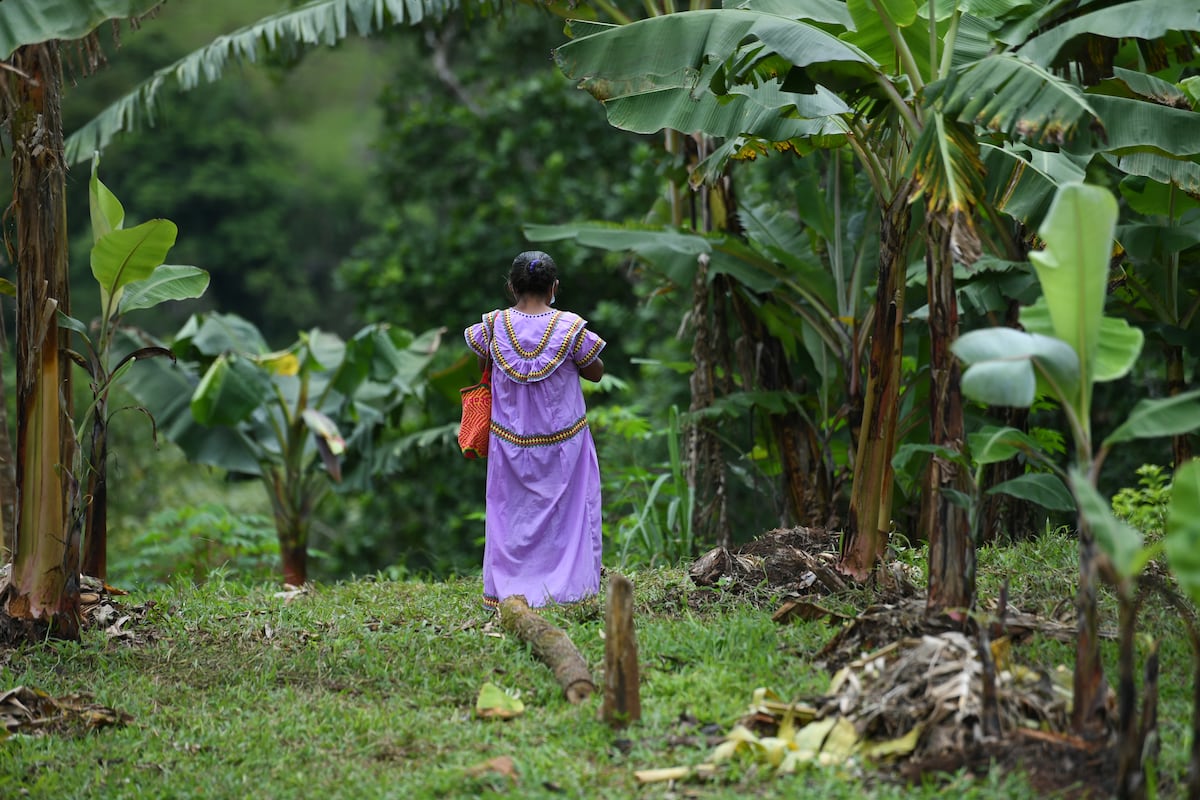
(476, 417)
(477, 411)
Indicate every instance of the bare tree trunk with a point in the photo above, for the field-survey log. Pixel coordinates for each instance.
(947, 524)
(865, 539)
(45, 576)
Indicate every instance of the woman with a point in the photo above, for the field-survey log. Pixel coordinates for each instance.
(543, 536)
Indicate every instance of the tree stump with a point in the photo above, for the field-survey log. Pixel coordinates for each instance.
(551, 645)
(622, 698)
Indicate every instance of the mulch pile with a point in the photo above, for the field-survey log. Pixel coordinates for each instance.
(944, 698)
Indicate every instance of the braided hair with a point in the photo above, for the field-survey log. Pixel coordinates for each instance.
(533, 272)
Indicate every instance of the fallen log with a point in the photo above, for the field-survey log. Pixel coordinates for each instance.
(622, 698)
(550, 645)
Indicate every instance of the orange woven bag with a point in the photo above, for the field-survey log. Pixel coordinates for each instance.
(477, 411)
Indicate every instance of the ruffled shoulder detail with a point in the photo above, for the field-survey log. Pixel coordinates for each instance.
(477, 335)
(527, 361)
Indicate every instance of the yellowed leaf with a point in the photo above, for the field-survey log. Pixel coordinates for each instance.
(738, 740)
(1002, 653)
(841, 743)
(281, 362)
(811, 738)
(900, 746)
(495, 703)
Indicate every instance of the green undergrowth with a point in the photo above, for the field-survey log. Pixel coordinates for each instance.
(367, 688)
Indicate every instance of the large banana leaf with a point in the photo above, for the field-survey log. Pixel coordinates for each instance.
(129, 254)
(1149, 87)
(1184, 173)
(686, 51)
(832, 12)
(1019, 98)
(806, 290)
(1138, 126)
(1119, 348)
(1073, 272)
(1140, 19)
(317, 22)
(1021, 183)
(1007, 367)
(37, 21)
(166, 282)
(875, 26)
(758, 111)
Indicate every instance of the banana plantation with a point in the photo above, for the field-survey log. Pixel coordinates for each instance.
(877, 275)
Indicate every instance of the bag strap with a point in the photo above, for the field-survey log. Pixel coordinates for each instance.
(491, 334)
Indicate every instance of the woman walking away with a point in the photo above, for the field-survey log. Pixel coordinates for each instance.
(543, 480)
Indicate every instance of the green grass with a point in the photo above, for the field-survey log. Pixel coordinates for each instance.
(366, 689)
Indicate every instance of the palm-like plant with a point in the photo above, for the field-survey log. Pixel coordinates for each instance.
(44, 581)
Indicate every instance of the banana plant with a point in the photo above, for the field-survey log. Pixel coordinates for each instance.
(288, 417)
(969, 83)
(1068, 346)
(128, 265)
(756, 78)
(43, 585)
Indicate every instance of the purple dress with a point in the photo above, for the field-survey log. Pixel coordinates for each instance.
(543, 536)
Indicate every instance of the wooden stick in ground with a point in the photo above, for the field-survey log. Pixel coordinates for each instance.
(551, 645)
(622, 700)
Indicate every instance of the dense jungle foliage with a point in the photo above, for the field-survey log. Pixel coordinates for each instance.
(386, 180)
(390, 179)
(877, 274)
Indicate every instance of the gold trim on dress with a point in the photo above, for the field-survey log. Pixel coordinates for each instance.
(525, 377)
(512, 334)
(540, 440)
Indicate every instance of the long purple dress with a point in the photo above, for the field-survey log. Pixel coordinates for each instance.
(543, 536)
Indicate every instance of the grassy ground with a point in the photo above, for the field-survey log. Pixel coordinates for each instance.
(366, 689)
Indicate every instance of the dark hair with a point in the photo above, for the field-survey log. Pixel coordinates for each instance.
(533, 272)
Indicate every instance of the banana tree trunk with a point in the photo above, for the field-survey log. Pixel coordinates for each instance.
(946, 523)
(763, 363)
(1089, 687)
(291, 506)
(8, 472)
(866, 536)
(706, 469)
(44, 586)
(711, 355)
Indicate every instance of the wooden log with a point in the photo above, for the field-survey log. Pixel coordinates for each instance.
(551, 645)
(622, 698)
